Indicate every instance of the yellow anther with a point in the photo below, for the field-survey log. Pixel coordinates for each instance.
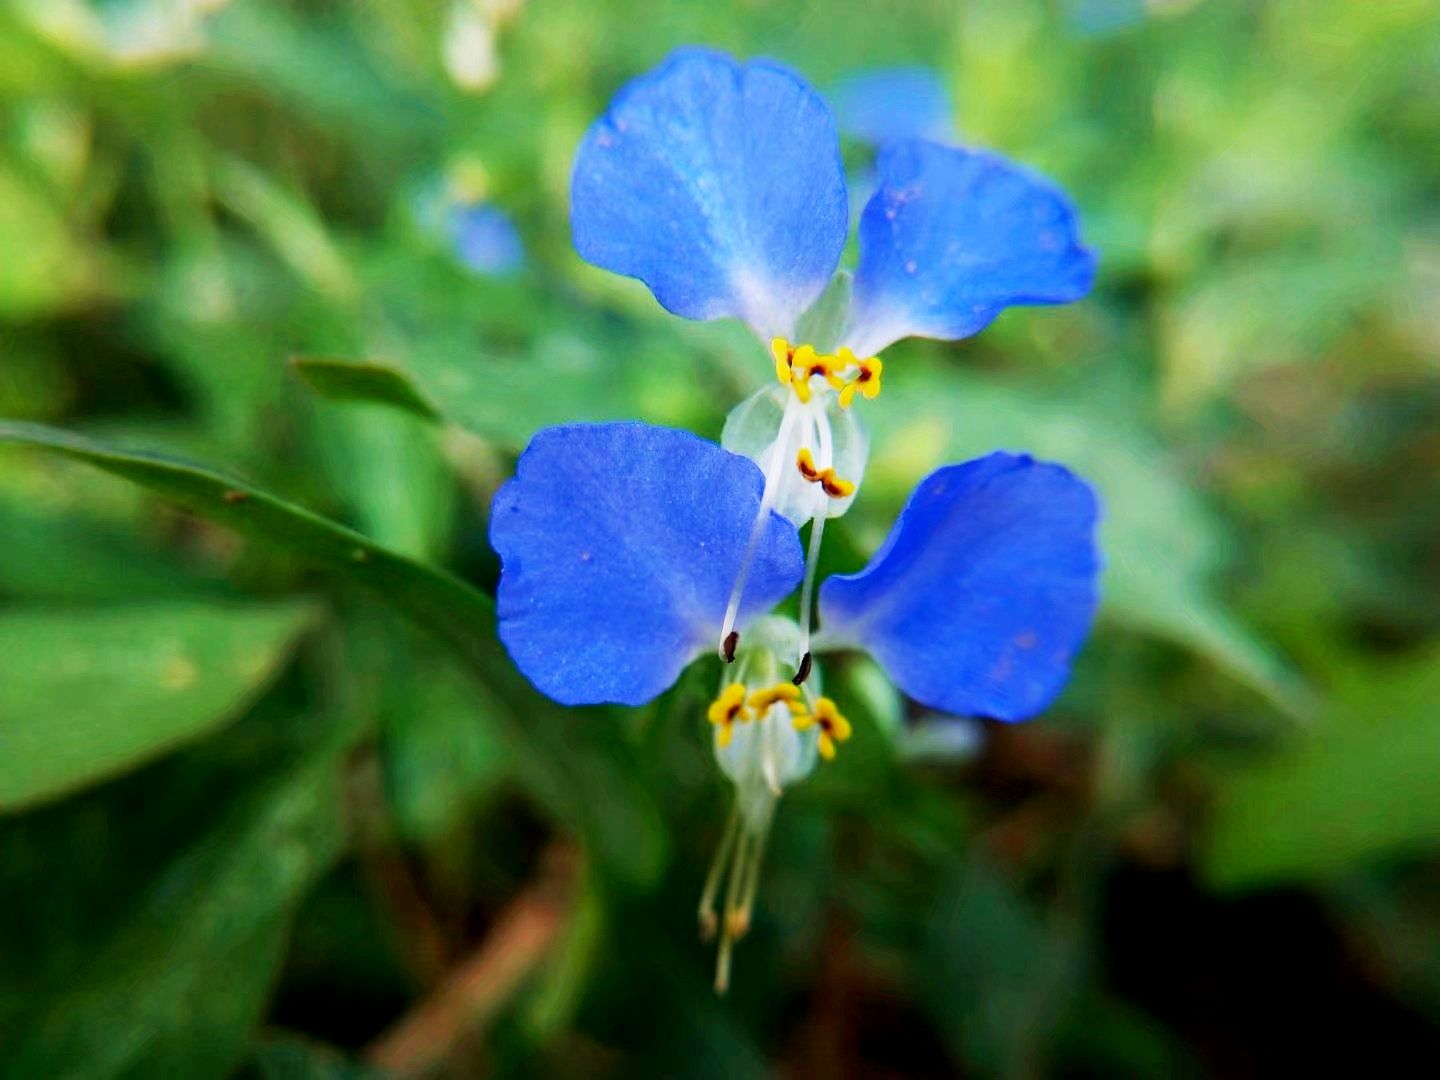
(835, 487)
(789, 693)
(805, 462)
(727, 710)
(782, 352)
(834, 728)
(804, 362)
(796, 365)
(865, 381)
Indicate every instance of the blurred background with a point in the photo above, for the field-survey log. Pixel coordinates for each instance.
(273, 803)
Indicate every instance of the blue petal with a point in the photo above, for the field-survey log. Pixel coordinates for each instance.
(485, 239)
(619, 544)
(892, 104)
(983, 591)
(717, 184)
(951, 238)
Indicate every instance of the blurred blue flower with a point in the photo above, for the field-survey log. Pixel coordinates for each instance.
(453, 209)
(618, 544)
(890, 104)
(485, 239)
(720, 186)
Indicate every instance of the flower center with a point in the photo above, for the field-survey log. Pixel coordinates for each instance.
(760, 745)
(796, 365)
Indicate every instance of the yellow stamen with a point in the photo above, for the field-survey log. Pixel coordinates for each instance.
(789, 693)
(805, 462)
(802, 361)
(866, 380)
(726, 711)
(782, 352)
(834, 728)
(796, 365)
(834, 486)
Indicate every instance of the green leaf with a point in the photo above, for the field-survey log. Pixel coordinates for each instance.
(364, 380)
(996, 973)
(87, 694)
(77, 556)
(288, 224)
(1359, 787)
(43, 268)
(390, 470)
(571, 763)
(441, 602)
(177, 987)
(1161, 543)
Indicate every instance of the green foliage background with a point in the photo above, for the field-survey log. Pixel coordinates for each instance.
(274, 803)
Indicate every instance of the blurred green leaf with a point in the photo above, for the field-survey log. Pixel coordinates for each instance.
(43, 268)
(573, 765)
(996, 975)
(364, 380)
(177, 988)
(70, 554)
(290, 226)
(437, 600)
(86, 694)
(390, 468)
(1359, 787)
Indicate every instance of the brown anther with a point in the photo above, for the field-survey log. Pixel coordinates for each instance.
(727, 650)
(804, 671)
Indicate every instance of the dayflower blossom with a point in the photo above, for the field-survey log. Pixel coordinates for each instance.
(619, 543)
(485, 239)
(720, 186)
(456, 209)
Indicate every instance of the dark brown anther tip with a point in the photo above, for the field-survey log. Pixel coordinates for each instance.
(728, 649)
(804, 672)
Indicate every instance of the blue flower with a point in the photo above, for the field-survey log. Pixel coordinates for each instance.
(891, 104)
(719, 185)
(454, 209)
(618, 546)
(619, 543)
(485, 239)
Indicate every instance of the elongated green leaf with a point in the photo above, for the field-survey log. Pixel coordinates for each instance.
(1358, 787)
(440, 601)
(290, 226)
(566, 759)
(176, 989)
(364, 380)
(85, 694)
